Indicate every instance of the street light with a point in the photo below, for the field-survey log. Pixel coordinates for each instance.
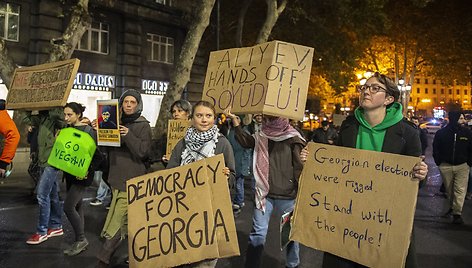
(404, 93)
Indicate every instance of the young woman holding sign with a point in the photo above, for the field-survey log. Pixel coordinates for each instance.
(73, 114)
(203, 140)
(378, 125)
(180, 110)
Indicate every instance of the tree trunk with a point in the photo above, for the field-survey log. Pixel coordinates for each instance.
(241, 18)
(63, 47)
(183, 65)
(7, 66)
(274, 9)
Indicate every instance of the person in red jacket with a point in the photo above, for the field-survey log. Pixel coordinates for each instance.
(11, 138)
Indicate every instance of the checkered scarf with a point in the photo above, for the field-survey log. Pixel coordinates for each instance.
(277, 129)
(199, 145)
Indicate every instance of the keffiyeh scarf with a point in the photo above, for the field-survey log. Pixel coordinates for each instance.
(199, 145)
(276, 129)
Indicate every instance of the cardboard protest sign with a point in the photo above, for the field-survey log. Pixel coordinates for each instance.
(108, 123)
(270, 78)
(175, 132)
(42, 86)
(181, 215)
(356, 204)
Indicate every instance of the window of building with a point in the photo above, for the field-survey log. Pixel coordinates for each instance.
(426, 80)
(162, 48)
(9, 21)
(465, 91)
(442, 90)
(418, 81)
(458, 92)
(164, 2)
(418, 90)
(95, 39)
(434, 91)
(450, 91)
(434, 81)
(426, 91)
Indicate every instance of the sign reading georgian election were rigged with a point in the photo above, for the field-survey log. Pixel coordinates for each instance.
(175, 132)
(181, 215)
(270, 78)
(42, 86)
(356, 204)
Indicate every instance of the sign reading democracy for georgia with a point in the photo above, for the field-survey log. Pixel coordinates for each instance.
(356, 204)
(42, 86)
(270, 78)
(181, 215)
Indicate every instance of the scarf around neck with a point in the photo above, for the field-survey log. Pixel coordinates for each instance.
(277, 129)
(199, 145)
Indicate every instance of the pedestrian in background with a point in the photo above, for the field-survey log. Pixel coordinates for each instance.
(452, 153)
(48, 122)
(180, 110)
(325, 134)
(277, 167)
(11, 138)
(423, 134)
(126, 162)
(201, 141)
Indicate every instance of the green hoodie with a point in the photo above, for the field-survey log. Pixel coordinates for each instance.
(372, 138)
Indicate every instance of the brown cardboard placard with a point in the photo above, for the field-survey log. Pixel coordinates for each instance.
(176, 130)
(270, 78)
(356, 204)
(181, 215)
(42, 86)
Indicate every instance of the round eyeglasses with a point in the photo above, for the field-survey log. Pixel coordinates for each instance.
(372, 89)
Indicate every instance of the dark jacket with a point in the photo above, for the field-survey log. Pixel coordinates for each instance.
(401, 138)
(453, 145)
(222, 147)
(424, 139)
(285, 165)
(322, 136)
(127, 161)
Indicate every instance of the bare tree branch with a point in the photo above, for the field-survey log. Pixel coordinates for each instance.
(274, 9)
(7, 65)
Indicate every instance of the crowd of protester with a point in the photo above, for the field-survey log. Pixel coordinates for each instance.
(263, 155)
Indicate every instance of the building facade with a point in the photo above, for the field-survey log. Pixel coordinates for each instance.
(427, 93)
(130, 44)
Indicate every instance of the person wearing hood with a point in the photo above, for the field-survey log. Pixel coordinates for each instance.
(452, 153)
(125, 162)
(378, 125)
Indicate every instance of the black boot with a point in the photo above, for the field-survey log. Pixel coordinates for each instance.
(253, 256)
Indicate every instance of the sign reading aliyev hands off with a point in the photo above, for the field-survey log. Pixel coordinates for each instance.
(270, 78)
(42, 86)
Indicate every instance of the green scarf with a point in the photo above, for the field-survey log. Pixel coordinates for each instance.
(372, 138)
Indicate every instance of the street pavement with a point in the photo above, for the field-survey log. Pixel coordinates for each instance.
(439, 243)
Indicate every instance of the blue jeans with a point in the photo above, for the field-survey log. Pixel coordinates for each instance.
(260, 225)
(239, 187)
(50, 208)
(103, 189)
